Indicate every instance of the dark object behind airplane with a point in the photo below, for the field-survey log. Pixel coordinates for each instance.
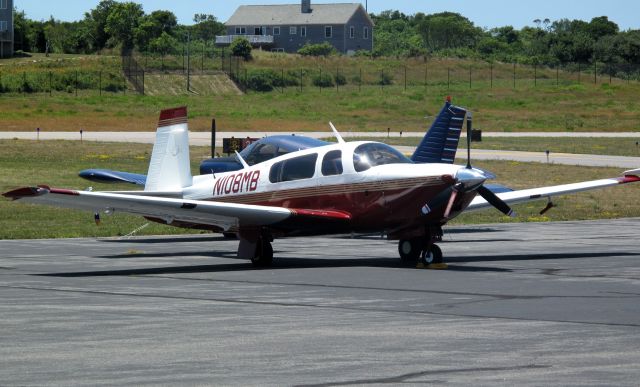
(259, 151)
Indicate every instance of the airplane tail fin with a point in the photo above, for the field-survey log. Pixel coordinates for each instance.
(170, 168)
(440, 143)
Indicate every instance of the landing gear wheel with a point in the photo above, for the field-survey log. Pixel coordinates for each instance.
(432, 255)
(264, 254)
(409, 249)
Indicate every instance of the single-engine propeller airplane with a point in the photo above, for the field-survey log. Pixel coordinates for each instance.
(356, 187)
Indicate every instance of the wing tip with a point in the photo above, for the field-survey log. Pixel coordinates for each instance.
(25, 192)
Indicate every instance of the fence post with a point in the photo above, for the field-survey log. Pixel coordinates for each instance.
(514, 75)
(337, 83)
(578, 72)
(142, 81)
(535, 74)
(448, 78)
(282, 90)
(320, 83)
(595, 71)
(301, 80)
(558, 75)
(469, 76)
(24, 82)
(426, 74)
(491, 74)
(50, 82)
(405, 77)
(76, 83)
(360, 81)
(246, 79)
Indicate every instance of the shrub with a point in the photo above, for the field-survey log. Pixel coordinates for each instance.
(241, 47)
(322, 49)
(261, 80)
(340, 79)
(322, 80)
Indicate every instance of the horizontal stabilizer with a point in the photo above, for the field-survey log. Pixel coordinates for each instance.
(108, 176)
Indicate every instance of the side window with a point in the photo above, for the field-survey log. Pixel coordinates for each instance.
(303, 31)
(365, 33)
(276, 30)
(293, 30)
(332, 163)
(352, 32)
(297, 168)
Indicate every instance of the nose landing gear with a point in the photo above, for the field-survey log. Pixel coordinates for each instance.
(422, 250)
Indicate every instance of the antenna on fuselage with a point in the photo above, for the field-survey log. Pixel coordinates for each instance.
(244, 163)
(335, 132)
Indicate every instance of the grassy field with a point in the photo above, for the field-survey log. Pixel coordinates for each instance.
(596, 146)
(57, 163)
(542, 105)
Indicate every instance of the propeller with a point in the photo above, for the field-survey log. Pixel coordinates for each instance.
(483, 191)
(466, 180)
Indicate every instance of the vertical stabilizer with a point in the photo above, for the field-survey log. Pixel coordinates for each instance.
(440, 144)
(170, 169)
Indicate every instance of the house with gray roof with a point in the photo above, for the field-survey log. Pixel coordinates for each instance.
(6, 28)
(287, 28)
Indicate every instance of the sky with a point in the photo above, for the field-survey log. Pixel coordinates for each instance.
(483, 13)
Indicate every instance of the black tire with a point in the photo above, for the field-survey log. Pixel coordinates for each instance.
(230, 235)
(433, 255)
(264, 255)
(409, 249)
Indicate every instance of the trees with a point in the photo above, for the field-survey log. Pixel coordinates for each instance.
(207, 27)
(122, 22)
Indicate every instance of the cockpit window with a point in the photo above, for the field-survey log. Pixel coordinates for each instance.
(332, 163)
(372, 154)
(297, 168)
(260, 153)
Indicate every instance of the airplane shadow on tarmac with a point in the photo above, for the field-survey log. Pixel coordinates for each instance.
(309, 263)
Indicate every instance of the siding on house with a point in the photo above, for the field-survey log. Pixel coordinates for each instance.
(6, 28)
(309, 27)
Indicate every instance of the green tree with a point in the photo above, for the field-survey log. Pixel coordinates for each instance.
(96, 20)
(164, 45)
(151, 26)
(122, 22)
(448, 30)
(206, 27)
(241, 47)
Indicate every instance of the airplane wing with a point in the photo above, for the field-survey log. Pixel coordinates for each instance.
(527, 195)
(212, 213)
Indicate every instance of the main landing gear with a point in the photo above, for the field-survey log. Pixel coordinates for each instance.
(422, 249)
(256, 246)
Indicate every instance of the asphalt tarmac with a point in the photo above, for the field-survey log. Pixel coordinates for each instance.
(520, 304)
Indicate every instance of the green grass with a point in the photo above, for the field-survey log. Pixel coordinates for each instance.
(596, 146)
(540, 105)
(57, 163)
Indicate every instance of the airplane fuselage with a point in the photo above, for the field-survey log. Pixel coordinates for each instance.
(386, 197)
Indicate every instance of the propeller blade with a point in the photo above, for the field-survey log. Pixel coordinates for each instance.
(495, 201)
(438, 201)
(452, 199)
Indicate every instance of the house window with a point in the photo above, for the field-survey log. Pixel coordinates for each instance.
(3, 5)
(241, 30)
(328, 31)
(3, 26)
(293, 30)
(303, 31)
(365, 33)
(276, 30)
(352, 32)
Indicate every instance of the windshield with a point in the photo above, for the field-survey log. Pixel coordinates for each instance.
(372, 154)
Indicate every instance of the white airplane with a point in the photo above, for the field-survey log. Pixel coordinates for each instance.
(345, 187)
